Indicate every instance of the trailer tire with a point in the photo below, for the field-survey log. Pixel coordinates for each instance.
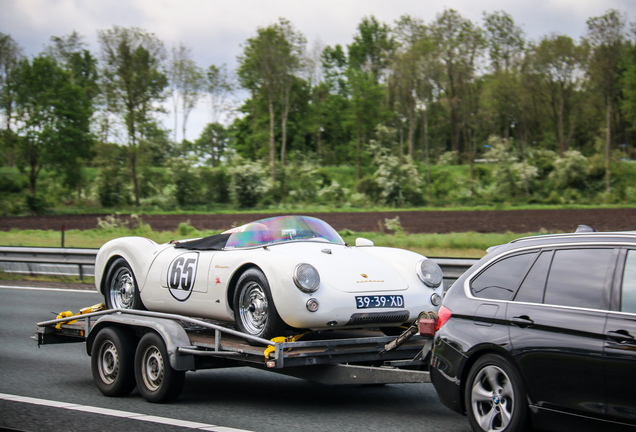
(112, 362)
(156, 380)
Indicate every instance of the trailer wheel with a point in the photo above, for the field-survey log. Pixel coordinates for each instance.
(254, 309)
(121, 289)
(157, 381)
(112, 362)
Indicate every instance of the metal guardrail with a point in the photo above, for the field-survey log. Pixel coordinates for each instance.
(81, 262)
(48, 261)
(453, 268)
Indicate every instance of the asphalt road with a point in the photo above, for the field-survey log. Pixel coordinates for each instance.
(51, 389)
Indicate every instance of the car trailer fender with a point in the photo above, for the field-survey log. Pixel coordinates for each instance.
(173, 334)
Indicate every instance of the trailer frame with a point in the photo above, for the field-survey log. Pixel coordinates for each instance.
(356, 356)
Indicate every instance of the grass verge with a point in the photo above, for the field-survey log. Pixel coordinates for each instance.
(453, 245)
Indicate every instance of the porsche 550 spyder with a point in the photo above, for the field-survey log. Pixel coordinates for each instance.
(270, 275)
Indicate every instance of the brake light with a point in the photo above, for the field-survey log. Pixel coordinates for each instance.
(443, 315)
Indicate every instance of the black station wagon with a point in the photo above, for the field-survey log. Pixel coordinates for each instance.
(541, 332)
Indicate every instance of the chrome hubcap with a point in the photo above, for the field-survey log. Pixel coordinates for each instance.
(122, 289)
(253, 308)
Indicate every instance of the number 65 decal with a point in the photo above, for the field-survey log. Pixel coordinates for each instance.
(182, 274)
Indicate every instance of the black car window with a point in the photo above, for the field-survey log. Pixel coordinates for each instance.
(501, 280)
(628, 294)
(532, 287)
(577, 278)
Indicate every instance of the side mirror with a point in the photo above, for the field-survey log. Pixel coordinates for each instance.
(363, 242)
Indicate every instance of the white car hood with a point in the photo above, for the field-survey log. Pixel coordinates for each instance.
(347, 269)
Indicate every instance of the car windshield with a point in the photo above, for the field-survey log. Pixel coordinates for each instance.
(281, 229)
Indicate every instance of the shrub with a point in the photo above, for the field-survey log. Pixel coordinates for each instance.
(304, 180)
(36, 204)
(394, 225)
(333, 194)
(111, 189)
(369, 187)
(187, 186)
(185, 229)
(398, 179)
(10, 184)
(571, 170)
(217, 185)
(248, 183)
(512, 176)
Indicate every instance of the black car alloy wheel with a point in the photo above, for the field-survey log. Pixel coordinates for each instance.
(494, 396)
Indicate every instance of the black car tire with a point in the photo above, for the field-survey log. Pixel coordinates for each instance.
(254, 309)
(121, 290)
(112, 362)
(157, 381)
(493, 387)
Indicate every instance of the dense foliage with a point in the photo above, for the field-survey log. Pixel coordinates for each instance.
(449, 112)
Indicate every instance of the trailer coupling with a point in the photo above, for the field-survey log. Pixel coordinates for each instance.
(424, 324)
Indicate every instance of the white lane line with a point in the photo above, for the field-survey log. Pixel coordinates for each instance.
(47, 289)
(116, 413)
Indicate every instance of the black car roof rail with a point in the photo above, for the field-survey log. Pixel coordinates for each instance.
(578, 234)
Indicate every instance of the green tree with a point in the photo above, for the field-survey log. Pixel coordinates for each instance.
(371, 48)
(219, 87)
(212, 143)
(71, 53)
(411, 79)
(266, 68)
(459, 43)
(557, 64)
(606, 36)
(52, 114)
(187, 83)
(134, 82)
(10, 54)
(505, 42)
(629, 87)
(369, 56)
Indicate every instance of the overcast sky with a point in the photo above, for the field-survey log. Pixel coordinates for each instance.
(214, 30)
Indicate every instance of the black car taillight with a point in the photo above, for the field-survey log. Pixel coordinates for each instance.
(443, 315)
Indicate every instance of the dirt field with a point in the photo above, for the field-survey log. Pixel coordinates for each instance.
(516, 221)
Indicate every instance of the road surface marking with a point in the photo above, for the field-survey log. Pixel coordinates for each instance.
(48, 289)
(121, 414)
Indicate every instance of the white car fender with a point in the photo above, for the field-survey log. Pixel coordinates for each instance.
(139, 252)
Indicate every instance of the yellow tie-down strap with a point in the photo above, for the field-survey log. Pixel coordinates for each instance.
(66, 314)
(271, 348)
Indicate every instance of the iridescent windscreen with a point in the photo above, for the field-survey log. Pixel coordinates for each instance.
(282, 229)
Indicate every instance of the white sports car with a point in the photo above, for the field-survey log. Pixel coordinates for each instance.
(269, 275)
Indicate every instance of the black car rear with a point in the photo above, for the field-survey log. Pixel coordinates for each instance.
(542, 331)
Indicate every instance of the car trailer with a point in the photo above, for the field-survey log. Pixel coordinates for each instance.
(153, 350)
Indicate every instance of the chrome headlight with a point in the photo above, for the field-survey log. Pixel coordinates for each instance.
(306, 278)
(429, 273)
